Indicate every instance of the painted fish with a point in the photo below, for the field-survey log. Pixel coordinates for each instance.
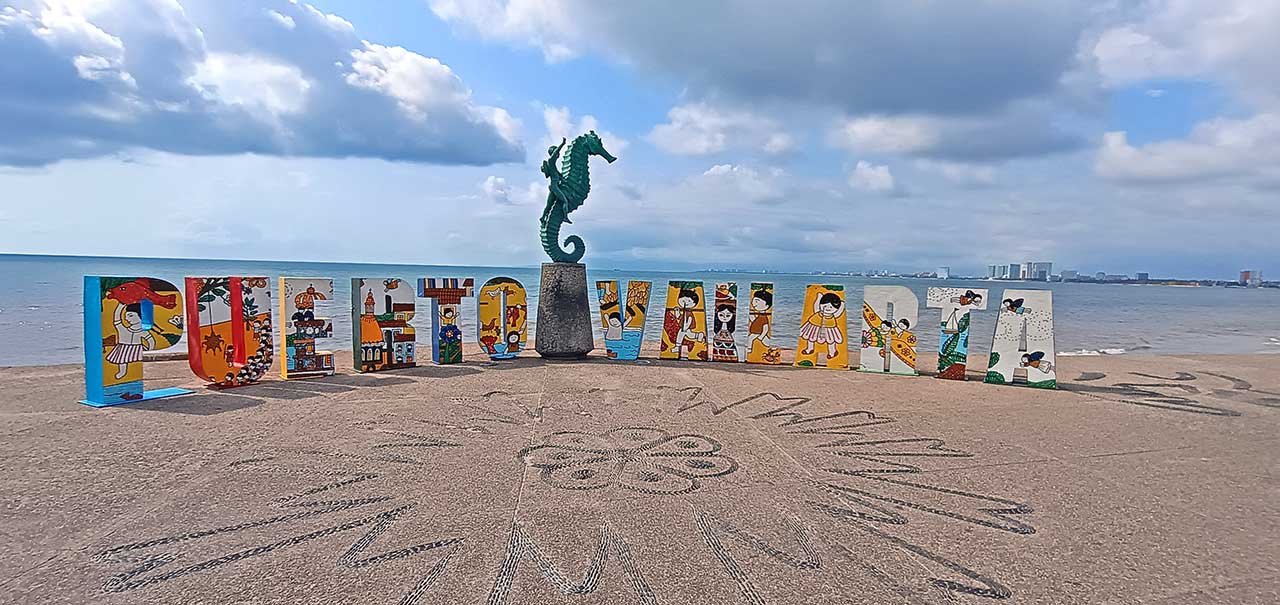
(139, 290)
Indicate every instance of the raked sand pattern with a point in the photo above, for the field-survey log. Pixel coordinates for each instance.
(1143, 479)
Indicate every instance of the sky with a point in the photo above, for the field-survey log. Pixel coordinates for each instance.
(1117, 136)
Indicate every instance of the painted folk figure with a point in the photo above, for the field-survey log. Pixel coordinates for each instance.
(823, 331)
(622, 320)
(381, 335)
(230, 341)
(1022, 349)
(724, 323)
(953, 343)
(501, 313)
(124, 317)
(684, 326)
(446, 294)
(759, 345)
(889, 318)
(300, 299)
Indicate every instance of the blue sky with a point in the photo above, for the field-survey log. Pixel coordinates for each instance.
(1116, 136)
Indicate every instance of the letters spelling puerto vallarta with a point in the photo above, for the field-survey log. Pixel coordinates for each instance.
(235, 334)
(232, 342)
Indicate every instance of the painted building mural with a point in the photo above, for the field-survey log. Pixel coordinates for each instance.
(230, 342)
(300, 298)
(382, 338)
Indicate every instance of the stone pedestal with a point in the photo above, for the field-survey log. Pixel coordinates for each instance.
(563, 329)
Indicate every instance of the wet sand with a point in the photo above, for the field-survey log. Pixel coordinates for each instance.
(1142, 480)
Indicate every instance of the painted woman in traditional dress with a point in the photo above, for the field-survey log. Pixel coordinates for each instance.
(131, 338)
(821, 326)
(723, 346)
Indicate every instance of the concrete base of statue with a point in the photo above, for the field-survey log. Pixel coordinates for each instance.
(563, 330)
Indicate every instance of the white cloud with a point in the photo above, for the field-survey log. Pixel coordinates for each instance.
(870, 177)
(888, 134)
(560, 125)
(1228, 41)
(496, 189)
(980, 56)
(1215, 149)
(700, 129)
(90, 78)
(251, 82)
(419, 84)
(969, 175)
(285, 21)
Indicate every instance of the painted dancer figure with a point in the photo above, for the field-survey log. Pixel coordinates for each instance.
(820, 327)
(131, 338)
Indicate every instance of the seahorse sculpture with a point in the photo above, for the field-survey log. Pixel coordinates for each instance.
(570, 182)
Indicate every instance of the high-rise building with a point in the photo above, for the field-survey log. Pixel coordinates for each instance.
(1143, 276)
(1068, 275)
(1251, 278)
(1041, 271)
(944, 272)
(993, 271)
(1015, 271)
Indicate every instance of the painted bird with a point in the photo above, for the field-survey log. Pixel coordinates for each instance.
(139, 290)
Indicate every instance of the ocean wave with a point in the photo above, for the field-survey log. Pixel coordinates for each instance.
(1092, 352)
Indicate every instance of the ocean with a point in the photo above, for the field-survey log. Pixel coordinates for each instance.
(41, 318)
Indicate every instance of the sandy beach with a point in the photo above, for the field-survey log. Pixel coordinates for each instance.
(1144, 479)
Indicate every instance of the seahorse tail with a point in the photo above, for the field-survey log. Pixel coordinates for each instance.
(579, 248)
(551, 243)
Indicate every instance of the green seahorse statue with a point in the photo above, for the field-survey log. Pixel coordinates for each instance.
(568, 189)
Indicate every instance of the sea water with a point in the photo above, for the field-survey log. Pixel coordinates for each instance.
(41, 318)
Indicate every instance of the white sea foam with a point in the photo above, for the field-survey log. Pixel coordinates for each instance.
(1091, 352)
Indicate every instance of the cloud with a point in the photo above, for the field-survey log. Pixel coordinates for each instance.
(1216, 149)
(970, 57)
(1232, 42)
(86, 79)
(967, 175)
(252, 83)
(560, 124)
(700, 129)
(1022, 130)
(285, 21)
(496, 189)
(870, 177)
